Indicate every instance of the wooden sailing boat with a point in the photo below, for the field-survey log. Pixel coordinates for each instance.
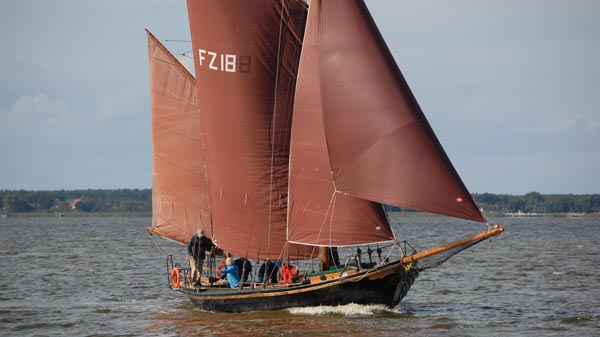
(296, 131)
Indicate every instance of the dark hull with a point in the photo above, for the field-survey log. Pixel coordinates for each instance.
(386, 285)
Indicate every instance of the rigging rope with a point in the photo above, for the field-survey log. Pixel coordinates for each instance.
(157, 244)
(272, 135)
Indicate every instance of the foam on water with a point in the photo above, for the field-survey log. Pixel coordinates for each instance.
(351, 309)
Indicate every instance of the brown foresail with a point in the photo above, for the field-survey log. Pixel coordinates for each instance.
(246, 55)
(320, 215)
(380, 144)
(179, 196)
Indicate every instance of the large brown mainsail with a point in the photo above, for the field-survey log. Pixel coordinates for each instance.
(246, 55)
(179, 197)
(320, 215)
(380, 144)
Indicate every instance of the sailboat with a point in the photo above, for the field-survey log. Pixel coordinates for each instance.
(296, 131)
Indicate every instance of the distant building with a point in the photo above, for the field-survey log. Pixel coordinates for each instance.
(521, 214)
(74, 203)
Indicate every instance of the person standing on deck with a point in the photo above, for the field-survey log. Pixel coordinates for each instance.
(197, 248)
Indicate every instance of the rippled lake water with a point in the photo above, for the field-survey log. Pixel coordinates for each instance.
(105, 277)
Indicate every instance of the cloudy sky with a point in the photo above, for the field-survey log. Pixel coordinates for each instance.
(512, 88)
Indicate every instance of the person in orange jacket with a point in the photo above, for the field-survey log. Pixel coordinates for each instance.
(287, 272)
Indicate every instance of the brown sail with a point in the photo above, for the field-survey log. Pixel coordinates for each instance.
(320, 215)
(246, 55)
(180, 199)
(380, 144)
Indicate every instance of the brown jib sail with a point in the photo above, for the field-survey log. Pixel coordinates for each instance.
(319, 214)
(379, 142)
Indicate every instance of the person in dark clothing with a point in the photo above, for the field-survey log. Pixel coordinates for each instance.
(335, 257)
(268, 272)
(244, 266)
(332, 259)
(197, 248)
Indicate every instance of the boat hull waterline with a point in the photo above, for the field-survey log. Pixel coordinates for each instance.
(386, 285)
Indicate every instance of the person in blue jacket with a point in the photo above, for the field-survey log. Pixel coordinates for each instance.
(231, 272)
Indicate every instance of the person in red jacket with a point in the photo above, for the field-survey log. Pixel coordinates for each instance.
(287, 273)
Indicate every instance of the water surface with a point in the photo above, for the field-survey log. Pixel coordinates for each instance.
(105, 277)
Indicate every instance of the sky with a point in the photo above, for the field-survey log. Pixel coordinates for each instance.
(511, 88)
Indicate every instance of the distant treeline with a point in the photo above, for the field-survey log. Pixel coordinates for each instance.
(534, 202)
(122, 200)
(140, 200)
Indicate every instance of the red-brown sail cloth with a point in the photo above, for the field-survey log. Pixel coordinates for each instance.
(246, 56)
(380, 144)
(318, 214)
(180, 199)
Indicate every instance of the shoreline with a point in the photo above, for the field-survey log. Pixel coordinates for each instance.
(75, 215)
(391, 215)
